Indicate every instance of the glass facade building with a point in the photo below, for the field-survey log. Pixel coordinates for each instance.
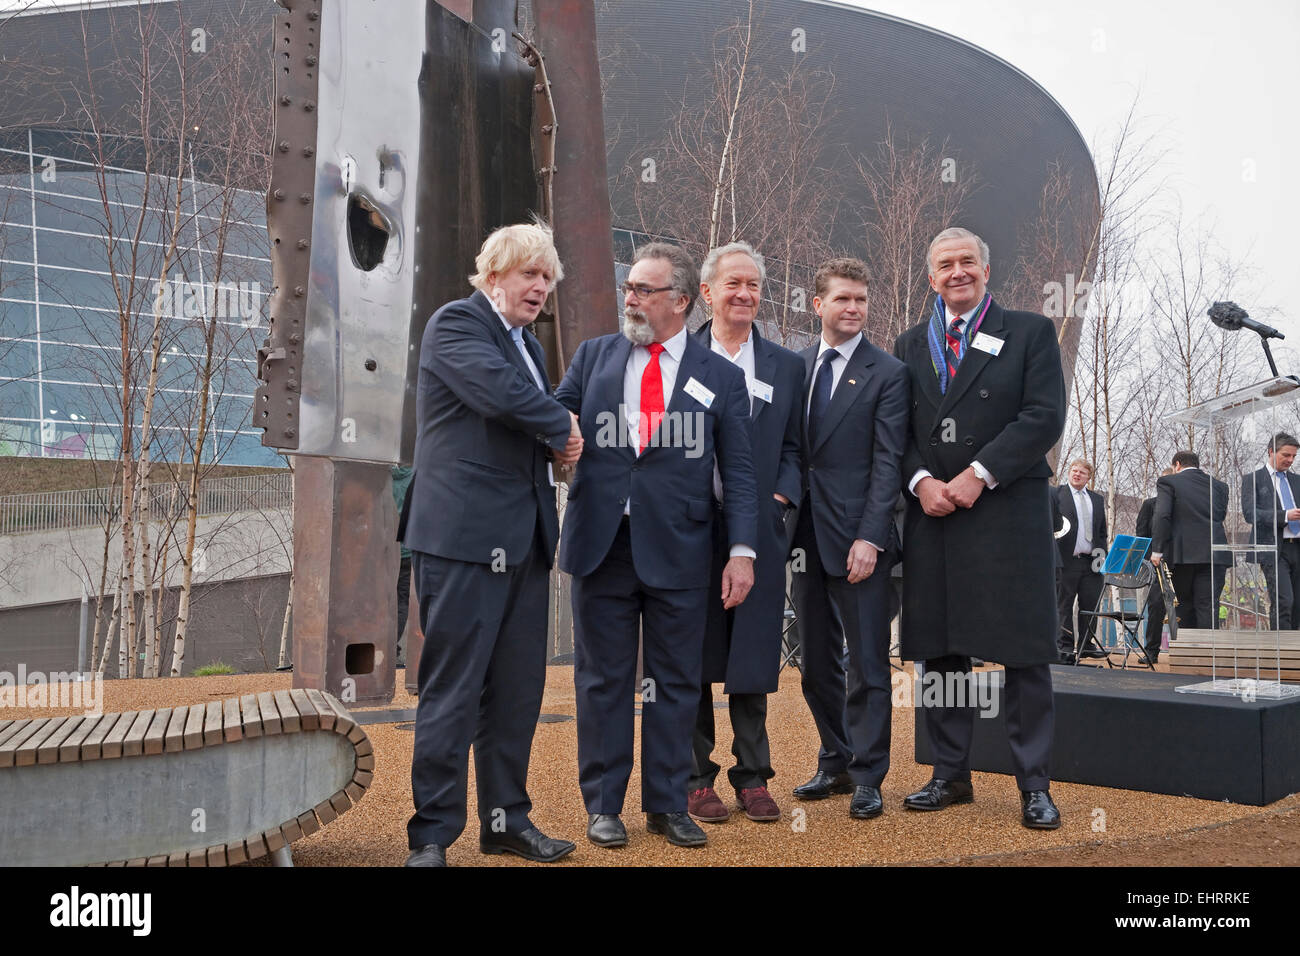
(75, 324)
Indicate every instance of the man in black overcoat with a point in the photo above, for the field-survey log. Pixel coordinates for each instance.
(988, 404)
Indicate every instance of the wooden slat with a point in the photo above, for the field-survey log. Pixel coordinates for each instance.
(366, 762)
(212, 724)
(196, 858)
(174, 738)
(274, 840)
(363, 744)
(323, 710)
(138, 861)
(94, 745)
(216, 856)
(363, 777)
(270, 715)
(306, 710)
(252, 717)
(5, 725)
(343, 722)
(13, 728)
(71, 749)
(325, 812)
(292, 830)
(255, 847)
(290, 722)
(10, 747)
(156, 735)
(157, 860)
(133, 742)
(307, 820)
(230, 725)
(235, 854)
(354, 790)
(113, 742)
(48, 752)
(194, 727)
(25, 755)
(340, 802)
(177, 859)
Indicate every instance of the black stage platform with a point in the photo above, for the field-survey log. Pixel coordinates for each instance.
(1131, 730)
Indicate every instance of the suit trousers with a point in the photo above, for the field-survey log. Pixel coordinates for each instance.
(749, 742)
(1077, 580)
(1283, 589)
(1027, 697)
(608, 606)
(1155, 625)
(482, 673)
(851, 705)
(1198, 587)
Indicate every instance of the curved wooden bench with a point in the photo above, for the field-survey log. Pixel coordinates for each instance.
(211, 784)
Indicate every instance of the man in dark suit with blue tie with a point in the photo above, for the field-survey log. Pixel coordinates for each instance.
(656, 409)
(845, 540)
(1268, 502)
(742, 646)
(482, 527)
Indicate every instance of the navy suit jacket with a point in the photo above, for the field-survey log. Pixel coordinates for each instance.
(670, 484)
(483, 428)
(1261, 507)
(747, 654)
(1098, 533)
(1190, 508)
(854, 472)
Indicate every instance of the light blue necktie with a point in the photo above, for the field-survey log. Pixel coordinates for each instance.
(1288, 500)
(517, 333)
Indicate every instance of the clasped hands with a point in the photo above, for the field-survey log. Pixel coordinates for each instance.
(573, 447)
(939, 498)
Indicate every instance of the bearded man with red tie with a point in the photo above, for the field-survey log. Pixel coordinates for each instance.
(988, 404)
(656, 409)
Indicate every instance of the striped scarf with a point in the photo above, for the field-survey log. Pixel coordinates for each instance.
(937, 334)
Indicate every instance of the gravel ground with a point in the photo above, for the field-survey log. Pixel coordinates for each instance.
(1139, 828)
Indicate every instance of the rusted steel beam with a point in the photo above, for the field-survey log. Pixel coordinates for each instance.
(587, 303)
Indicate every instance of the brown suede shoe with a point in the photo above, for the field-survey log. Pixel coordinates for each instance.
(759, 805)
(703, 805)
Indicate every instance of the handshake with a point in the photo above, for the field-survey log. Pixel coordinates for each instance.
(573, 447)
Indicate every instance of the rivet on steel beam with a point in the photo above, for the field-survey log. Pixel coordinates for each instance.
(309, 151)
(547, 129)
(309, 106)
(299, 291)
(305, 198)
(371, 365)
(537, 87)
(302, 243)
(285, 100)
(311, 61)
(278, 194)
(294, 339)
(284, 146)
(289, 433)
(291, 384)
(313, 15)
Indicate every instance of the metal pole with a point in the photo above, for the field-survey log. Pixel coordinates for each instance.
(82, 636)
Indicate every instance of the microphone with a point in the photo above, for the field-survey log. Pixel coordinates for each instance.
(1230, 316)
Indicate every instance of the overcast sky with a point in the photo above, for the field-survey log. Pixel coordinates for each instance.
(1219, 85)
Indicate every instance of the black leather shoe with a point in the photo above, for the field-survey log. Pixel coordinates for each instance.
(823, 784)
(938, 794)
(1037, 811)
(606, 829)
(866, 803)
(680, 829)
(428, 855)
(1094, 652)
(1067, 657)
(531, 844)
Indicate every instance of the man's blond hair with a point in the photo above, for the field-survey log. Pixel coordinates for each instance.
(511, 247)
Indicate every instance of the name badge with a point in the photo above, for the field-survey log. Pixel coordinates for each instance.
(699, 392)
(761, 390)
(987, 343)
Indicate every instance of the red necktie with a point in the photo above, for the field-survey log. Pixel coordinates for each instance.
(652, 397)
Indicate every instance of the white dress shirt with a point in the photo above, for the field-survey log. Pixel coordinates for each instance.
(745, 359)
(517, 335)
(1277, 490)
(846, 350)
(983, 473)
(1083, 509)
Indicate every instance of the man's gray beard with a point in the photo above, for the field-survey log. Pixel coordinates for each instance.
(638, 333)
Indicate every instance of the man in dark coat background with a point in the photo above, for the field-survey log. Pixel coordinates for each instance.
(1156, 609)
(1269, 497)
(988, 404)
(742, 646)
(1190, 508)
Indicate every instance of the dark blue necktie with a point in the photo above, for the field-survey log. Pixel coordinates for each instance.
(821, 394)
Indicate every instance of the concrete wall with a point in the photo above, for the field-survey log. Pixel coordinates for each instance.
(234, 621)
(52, 567)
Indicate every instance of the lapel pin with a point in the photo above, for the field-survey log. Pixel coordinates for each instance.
(853, 381)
